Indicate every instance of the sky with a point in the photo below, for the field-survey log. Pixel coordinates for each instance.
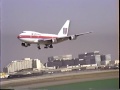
(48, 16)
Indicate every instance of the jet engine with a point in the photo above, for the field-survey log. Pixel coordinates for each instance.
(73, 37)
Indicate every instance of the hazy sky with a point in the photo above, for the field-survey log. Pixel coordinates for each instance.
(48, 16)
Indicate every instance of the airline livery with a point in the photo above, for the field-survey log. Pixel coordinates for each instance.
(32, 37)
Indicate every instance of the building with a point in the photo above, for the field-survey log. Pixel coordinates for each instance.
(95, 58)
(105, 59)
(105, 62)
(90, 58)
(92, 53)
(3, 75)
(117, 62)
(78, 61)
(26, 63)
(87, 58)
(59, 61)
(36, 64)
(61, 57)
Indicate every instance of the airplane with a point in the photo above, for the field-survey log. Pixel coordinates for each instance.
(33, 37)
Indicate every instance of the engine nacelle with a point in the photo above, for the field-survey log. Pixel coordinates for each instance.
(73, 37)
(54, 40)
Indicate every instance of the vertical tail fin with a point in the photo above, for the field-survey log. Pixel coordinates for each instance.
(64, 29)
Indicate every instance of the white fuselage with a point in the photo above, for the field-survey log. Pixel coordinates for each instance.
(33, 37)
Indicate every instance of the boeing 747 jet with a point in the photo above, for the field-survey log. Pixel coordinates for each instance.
(33, 37)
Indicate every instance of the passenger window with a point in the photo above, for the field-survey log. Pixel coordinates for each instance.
(35, 34)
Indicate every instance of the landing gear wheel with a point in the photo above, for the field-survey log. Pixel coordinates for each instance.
(39, 47)
(46, 46)
(28, 44)
(22, 44)
(51, 46)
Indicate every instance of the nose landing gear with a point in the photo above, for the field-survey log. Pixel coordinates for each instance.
(25, 44)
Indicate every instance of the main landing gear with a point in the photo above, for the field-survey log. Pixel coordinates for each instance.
(46, 46)
(39, 47)
(51, 46)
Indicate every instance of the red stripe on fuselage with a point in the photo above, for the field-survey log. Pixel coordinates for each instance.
(28, 36)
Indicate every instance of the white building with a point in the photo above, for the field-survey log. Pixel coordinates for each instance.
(26, 63)
(105, 62)
(37, 64)
(117, 62)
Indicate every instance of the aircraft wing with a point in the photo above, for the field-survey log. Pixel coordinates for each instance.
(83, 33)
(61, 39)
(71, 37)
